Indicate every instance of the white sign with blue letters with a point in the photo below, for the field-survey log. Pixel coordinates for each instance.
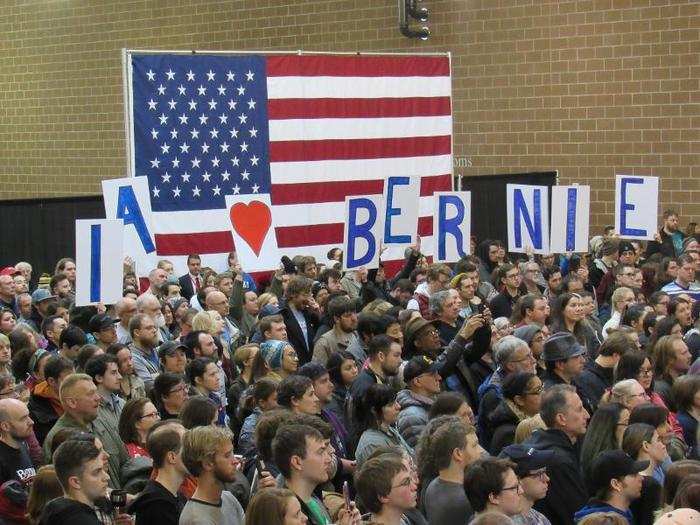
(364, 227)
(528, 218)
(451, 225)
(636, 206)
(570, 212)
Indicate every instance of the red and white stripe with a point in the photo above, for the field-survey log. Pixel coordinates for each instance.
(338, 125)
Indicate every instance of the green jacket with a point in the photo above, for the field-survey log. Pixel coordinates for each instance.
(109, 436)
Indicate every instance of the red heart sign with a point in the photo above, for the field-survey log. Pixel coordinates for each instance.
(251, 221)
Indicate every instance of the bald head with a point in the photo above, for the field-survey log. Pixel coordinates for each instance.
(218, 302)
(15, 423)
(125, 310)
(148, 304)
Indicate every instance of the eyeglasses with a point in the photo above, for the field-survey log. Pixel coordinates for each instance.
(539, 474)
(534, 392)
(405, 483)
(513, 275)
(182, 388)
(646, 372)
(515, 487)
(154, 415)
(528, 357)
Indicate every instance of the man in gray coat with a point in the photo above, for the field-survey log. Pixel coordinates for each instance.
(423, 381)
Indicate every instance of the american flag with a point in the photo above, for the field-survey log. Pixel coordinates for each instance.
(308, 130)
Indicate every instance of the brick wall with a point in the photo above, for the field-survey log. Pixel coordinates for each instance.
(589, 87)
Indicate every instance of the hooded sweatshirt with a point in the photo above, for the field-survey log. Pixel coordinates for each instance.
(65, 511)
(156, 504)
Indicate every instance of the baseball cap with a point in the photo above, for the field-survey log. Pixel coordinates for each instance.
(100, 322)
(417, 366)
(527, 459)
(41, 294)
(612, 464)
(561, 346)
(625, 246)
(9, 270)
(170, 347)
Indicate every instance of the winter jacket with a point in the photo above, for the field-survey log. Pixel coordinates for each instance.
(567, 492)
(503, 423)
(490, 395)
(594, 381)
(413, 416)
(373, 439)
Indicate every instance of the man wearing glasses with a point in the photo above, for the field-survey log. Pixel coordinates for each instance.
(531, 469)
(509, 279)
(492, 486)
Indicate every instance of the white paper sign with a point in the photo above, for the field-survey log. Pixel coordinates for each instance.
(636, 206)
(402, 203)
(127, 199)
(363, 230)
(99, 254)
(253, 231)
(451, 225)
(570, 214)
(528, 218)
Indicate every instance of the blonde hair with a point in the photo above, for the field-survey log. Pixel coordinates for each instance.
(265, 299)
(200, 444)
(618, 295)
(527, 427)
(204, 321)
(619, 392)
(242, 353)
(4, 340)
(69, 384)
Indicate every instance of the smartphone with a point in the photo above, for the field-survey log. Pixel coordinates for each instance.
(346, 494)
(260, 466)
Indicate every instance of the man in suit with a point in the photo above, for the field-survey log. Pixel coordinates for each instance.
(191, 282)
(301, 316)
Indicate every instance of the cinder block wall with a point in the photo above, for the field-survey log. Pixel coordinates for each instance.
(588, 87)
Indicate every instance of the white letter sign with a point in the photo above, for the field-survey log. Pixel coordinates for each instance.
(99, 254)
(451, 225)
(570, 212)
(528, 218)
(636, 205)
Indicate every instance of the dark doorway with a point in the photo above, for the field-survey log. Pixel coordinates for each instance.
(489, 200)
(41, 231)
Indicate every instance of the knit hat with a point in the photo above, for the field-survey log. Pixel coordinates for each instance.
(527, 332)
(272, 352)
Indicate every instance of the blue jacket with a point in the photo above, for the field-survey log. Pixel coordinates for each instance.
(600, 506)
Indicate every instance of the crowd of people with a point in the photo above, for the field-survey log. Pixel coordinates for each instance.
(504, 388)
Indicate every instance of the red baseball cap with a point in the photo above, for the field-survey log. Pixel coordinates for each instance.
(9, 270)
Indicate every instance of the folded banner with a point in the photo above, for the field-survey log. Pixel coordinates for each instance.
(307, 131)
(99, 254)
